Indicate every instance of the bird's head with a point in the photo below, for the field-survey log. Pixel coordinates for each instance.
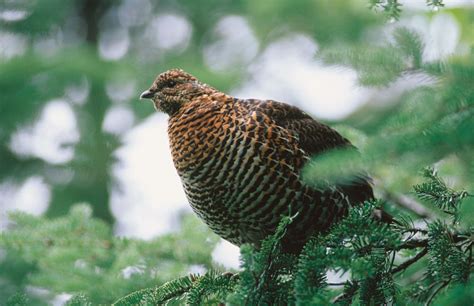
(172, 89)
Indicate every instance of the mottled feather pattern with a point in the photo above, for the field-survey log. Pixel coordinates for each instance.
(240, 160)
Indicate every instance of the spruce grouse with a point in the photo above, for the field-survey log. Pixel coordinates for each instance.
(240, 160)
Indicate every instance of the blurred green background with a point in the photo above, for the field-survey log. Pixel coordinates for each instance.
(73, 131)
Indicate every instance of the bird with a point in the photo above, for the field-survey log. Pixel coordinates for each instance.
(240, 162)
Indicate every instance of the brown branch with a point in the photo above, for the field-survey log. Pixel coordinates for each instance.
(413, 244)
(416, 230)
(409, 262)
(348, 293)
(431, 298)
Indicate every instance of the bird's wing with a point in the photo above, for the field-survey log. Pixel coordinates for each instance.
(315, 138)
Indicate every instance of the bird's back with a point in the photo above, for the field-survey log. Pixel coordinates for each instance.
(240, 162)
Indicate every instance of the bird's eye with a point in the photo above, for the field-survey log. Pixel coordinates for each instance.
(171, 83)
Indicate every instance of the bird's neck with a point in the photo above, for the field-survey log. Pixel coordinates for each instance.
(207, 99)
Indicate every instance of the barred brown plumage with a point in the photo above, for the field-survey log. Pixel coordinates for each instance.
(240, 161)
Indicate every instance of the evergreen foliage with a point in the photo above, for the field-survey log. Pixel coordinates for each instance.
(425, 257)
(436, 192)
(393, 8)
(374, 253)
(78, 253)
(159, 295)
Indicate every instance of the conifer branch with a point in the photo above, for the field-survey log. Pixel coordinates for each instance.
(409, 262)
(160, 294)
(437, 192)
(408, 203)
(392, 8)
(435, 292)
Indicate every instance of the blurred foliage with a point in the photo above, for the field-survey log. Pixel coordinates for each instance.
(78, 254)
(429, 124)
(70, 250)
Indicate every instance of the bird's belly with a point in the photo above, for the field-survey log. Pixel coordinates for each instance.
(242, 196)
(213, 186)
(242, 188)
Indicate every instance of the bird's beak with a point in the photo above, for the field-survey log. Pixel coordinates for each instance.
(147, 94)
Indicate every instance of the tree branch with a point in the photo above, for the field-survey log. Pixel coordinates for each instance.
(433, 295)
(408, 203)
(409, 262)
